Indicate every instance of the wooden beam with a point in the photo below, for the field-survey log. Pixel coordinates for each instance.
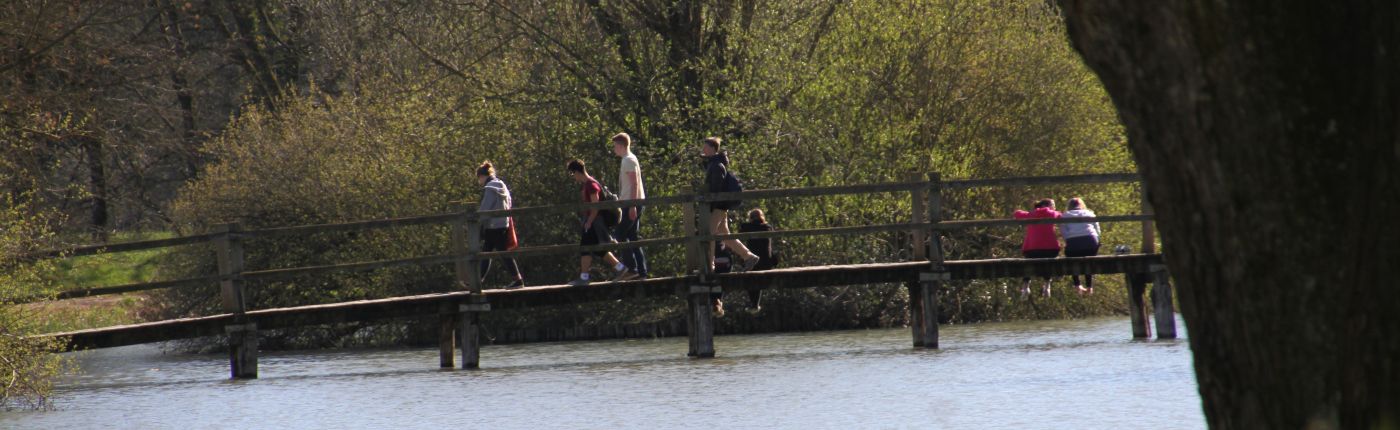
(1104, 178)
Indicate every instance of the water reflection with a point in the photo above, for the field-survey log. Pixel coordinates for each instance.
(1043, 374)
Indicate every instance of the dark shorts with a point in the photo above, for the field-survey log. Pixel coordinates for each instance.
(1041, 253)
(1082, 246)
(594, 235)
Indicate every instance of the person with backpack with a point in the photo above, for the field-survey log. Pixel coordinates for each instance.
(594, 223)
(1040, 241)
(1081, 240)
(629, 183)
(496, 233)
(719, 179)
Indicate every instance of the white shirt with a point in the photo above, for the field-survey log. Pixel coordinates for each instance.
(625, 188)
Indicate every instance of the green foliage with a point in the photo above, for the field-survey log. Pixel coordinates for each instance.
(27, 368)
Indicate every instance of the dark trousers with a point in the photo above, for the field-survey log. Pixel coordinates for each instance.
(1040, 253)
(1082, 246)
(495, 240)
(626, 231)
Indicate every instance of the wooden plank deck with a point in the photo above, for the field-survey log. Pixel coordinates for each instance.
(429, 305)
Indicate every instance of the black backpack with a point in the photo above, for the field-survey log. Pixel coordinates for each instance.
(731, 185)
(611, 216)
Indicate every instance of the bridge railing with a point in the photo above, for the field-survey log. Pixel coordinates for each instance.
(228, 238)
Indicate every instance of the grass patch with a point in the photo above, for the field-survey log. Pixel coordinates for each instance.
(118, 268)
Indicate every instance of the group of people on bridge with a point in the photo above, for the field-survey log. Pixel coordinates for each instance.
(599, 226)
(1081, 240)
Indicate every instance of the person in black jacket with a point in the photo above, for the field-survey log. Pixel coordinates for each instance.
(717, 175)
(762, 247)
(716, 171)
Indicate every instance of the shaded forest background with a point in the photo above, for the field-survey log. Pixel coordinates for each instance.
(156, 115)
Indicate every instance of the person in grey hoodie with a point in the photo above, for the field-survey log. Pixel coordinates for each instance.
(1081, 240)
(495, 231)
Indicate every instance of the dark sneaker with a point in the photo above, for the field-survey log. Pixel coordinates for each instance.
(625, 275)
(579, 282)
(750, 262)
(515, 285)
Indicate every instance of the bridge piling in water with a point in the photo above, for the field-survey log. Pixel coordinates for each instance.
(242, 336)
(466, 247)
(1164, 313)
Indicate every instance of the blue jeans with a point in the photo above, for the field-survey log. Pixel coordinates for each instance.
(626, 231)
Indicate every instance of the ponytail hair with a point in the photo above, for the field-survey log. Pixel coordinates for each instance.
(486, 169)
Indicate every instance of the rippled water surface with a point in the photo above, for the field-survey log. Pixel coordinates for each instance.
(1040, 374)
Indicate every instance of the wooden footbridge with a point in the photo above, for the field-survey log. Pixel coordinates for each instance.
(459, 309)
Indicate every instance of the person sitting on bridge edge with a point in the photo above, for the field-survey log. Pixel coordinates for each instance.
(594, 230)
(629, 183)
(1040, 241)
(762, 247)
(495, 232)
(1081, 240)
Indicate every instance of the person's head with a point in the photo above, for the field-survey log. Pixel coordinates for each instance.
(756, 216)
(485, 172)
(1077, 203)
(1045, 203)
(622, 144)
(710, 146)
(577, 170)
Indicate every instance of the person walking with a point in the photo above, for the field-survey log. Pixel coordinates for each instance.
(629, 183)
(496, 231)
(1081, 240)
(717, 175)
(717, 180)
(1040, 241)
(594, 230)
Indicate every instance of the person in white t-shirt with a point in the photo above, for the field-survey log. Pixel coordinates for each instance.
(630, 187)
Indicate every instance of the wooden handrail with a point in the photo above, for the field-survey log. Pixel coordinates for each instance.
(443, 218)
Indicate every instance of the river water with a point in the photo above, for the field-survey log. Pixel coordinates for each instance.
(1038, 374)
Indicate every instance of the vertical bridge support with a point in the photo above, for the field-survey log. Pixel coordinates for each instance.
(1163, 312)
(466, 247)
(701, 320)
(923, 296)
(242, 335)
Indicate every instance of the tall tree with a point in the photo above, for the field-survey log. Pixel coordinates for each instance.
(1267, 135)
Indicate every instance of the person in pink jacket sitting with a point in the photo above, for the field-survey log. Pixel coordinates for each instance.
(1040, 241)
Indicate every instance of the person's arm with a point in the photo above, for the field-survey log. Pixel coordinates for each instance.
(1020, 214)
(714, 178)
(631, 179)
(592, 213)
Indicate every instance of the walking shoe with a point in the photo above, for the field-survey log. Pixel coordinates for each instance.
(515, 285)
(719, 308)
(625, 275)
(578, 282)
(750, 262)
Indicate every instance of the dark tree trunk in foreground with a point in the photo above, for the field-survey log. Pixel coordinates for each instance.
(1267, 136)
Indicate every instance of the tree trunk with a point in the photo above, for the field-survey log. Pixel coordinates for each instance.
(1266, 133)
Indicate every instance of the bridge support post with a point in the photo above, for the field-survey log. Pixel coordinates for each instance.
(1163, 313)
(1137, 305)
(701, 320)
(243, 350)
(926, 333)
(447, 331)
(469, 333)
(242, 335)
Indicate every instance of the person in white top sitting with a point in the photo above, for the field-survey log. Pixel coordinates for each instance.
(1081, 240)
